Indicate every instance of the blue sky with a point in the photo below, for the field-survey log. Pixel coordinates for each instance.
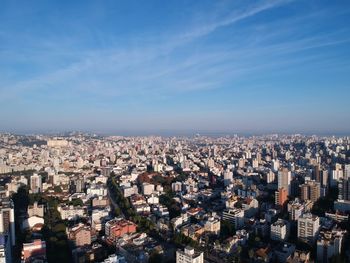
(175, 66)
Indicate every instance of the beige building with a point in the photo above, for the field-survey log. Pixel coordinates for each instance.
(311, 190)
(308, 226)
(80, 235)
(57, 143)
(189, 255)
(36, 210)
(212, 225)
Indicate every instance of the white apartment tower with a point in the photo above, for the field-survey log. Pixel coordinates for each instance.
(279, 230)
(308, 227)
(235, 216)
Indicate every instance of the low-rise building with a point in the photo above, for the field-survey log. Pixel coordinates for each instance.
(36, 210)
(118, 227)
(34, 251)
(71, 212)
(212, 224)
(80, 235)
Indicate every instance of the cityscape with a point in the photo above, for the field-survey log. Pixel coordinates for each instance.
(90, 198)
(175, 131)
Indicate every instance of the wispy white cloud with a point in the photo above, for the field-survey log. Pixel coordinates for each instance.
(165, 67)
(114, 60)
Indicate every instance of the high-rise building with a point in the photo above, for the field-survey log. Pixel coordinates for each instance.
(324, 178)
(347, 171)
(336, 175)
(279, 230)
(281, 196)
(311, 190)
(235, 216)
(36, 183)
(295, 187)
(295, 209)
(7, 220)
(228, 177)
(5, 249)
(270, 177)
(308, 227)
(189, 255)
(79, 185)
(329, 244)
(316, 173)
(344, 189)
(275, 165)
(284, 178)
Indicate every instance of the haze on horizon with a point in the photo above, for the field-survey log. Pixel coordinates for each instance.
(182, 66)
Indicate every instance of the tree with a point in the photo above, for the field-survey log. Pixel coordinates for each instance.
(227, 229)
(76, 202)
(155, 257)
(117, 211)
(57, 189)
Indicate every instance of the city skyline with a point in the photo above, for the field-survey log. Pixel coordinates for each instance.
(175, 66)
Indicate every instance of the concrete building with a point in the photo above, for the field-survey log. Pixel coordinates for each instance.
(7, 220)
(176, 187)
(311, 190)
(284, 178)
(280, 230)
(295, 209)
(57, 143)
(71, 212)
(308, 227)
(36, 210)
(34, 251)
(5, 249)
(189, 255)
(281, 196)
(212, 225)
(80, 235)
(118, 227)
(344, 189)
(36, 185)
(329, 244)
(147, 189)
(235, 216)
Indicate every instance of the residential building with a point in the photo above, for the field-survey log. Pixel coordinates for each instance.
(308, 227)
(36, 183)
(329, 244)
(189, 255)
(36, 210)
(281, 196)
(280, 230)
(80, 235)
(284, 179)
(34, 251)
(7, 219)
(235, 216)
